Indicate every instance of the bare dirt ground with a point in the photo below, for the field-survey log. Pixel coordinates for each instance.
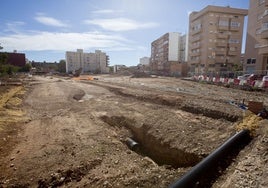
(61, 132)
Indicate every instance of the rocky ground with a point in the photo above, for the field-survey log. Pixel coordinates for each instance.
(56, 131)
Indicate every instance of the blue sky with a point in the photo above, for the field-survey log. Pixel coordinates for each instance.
(124, 29)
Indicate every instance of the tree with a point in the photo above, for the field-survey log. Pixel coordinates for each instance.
(26, 68)
(62, 66)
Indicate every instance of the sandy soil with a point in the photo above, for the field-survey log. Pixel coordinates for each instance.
(73, 133)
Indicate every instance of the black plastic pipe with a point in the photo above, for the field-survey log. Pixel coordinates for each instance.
(132, 144)
(208, 165)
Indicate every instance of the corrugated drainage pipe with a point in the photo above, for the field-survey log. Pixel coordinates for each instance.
(197, 174)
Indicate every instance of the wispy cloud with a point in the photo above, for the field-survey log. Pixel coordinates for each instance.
(107, 11)
(14, 27)
(46, 20)
(40, 41)
(121, 24)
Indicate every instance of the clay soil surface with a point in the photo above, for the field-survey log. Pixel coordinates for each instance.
(60, 132)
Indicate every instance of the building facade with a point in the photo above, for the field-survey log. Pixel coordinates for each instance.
(167, 54)
(88, 62)
(256, 54)
(215, 39)
(15, 59)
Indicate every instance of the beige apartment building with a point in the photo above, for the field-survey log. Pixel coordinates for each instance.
(168, 54)
(256, 54)
(215, 39)
(88, 62)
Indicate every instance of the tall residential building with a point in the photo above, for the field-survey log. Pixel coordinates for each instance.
(144, 61)
(88, 62)
(215, 39)
(256, 54)
(167, 54)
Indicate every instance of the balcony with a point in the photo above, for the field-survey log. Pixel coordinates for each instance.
(265, 18)
(196, 38)
(264, 34)
(263, 50)
(195, 46)
(221, 44)
(220, 52)
(196, 31)
(195, 53)
(221, 27)
(232, 53)
(235, 45)
(220, 60)
(195, 61)
(234, 28)
(222, 36)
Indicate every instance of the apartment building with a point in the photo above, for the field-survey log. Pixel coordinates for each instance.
(256, 54)
(215, 39)
(167, 54)
(89, 62)
(144, 61)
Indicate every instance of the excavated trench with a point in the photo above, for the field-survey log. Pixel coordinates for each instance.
(151, 146)
(146, 144)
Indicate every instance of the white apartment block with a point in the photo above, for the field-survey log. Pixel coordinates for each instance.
(144, 61)
(89, 62)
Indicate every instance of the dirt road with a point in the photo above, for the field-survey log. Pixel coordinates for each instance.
(75, 132)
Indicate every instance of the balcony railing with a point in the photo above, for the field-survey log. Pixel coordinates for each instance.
(196, 31)
(196, 38)
(220, 52)
(195, 54)
(263, 50)
(264, 34)
(222, 36)
(234, 28)
(220, 27)
(232, 53)
(221, 44)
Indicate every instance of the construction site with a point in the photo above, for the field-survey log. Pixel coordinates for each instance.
(127, 131)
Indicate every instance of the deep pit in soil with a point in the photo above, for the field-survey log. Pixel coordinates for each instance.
(152, 147)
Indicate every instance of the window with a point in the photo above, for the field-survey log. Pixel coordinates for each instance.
(223, 23)
(235, 24)
(251, 61)
(234, 41)
(197, 27)
(265, 26)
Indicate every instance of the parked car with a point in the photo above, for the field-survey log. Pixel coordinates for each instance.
(243, 77)
(265, 78)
